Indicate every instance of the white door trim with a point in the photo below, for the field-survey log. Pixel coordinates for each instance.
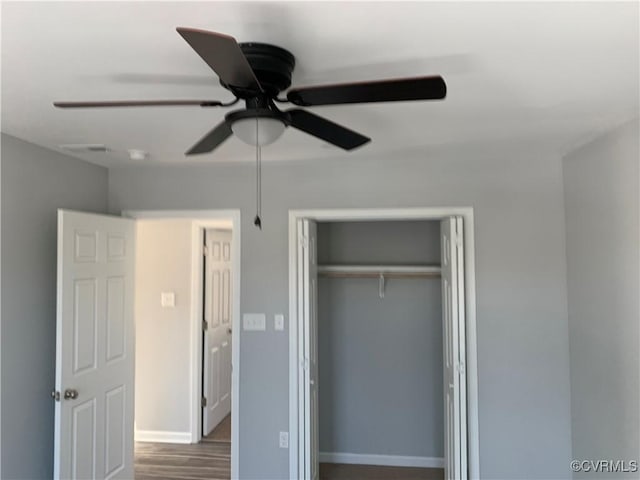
(208, 219)
(364, 214)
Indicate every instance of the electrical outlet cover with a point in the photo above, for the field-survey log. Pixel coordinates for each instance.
(278, 322)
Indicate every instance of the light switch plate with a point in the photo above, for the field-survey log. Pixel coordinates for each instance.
(254, 321)
(283, 439)
(168, 299)
(278, 322)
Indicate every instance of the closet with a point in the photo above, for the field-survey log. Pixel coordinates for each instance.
(380, 345)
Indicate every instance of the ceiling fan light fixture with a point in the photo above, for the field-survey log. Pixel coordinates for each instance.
(268, 130)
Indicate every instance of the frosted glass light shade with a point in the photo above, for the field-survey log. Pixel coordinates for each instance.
(268, 131)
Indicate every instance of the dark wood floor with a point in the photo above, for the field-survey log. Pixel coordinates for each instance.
(209, 459)
(170, 461)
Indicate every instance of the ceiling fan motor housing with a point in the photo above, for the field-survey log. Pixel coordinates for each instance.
(272, 66)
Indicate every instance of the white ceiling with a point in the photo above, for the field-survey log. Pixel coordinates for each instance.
(552, 75)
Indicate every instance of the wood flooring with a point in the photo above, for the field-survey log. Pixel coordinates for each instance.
(171, 461)
(209, 459)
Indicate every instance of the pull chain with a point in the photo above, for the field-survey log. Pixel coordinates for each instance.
(258, 221)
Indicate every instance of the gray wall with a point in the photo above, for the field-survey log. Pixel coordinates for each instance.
(602, 211)
(392, 243)
(523, 357)
(35, 182)
(380, 360)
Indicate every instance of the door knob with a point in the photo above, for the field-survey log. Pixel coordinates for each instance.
(70, 394)
(229, 331)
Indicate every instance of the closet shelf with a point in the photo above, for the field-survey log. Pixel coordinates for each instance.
(377, 271)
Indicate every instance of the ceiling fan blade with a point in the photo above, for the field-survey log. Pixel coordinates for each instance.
(326, 130)
(223, 54)
(397, 90)
(211, 140)
(140, 103)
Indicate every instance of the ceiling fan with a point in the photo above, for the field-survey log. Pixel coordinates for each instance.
(257, 73)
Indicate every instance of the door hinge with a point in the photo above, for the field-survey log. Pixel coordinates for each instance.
(460, 368)
(205, 325)
(203, 402)
(205, 250)
(304, 241)
(55, 394)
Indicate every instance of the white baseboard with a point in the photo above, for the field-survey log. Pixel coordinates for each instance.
(386, 460)
(162, 437)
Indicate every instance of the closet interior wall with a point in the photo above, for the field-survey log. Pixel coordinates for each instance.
(380, 359)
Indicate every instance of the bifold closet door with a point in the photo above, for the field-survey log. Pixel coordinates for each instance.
(453, 328)
(308, 295)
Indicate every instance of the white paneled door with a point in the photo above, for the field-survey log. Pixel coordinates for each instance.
(217, 337)
(308, 293)
(94, 347)
(453, 328)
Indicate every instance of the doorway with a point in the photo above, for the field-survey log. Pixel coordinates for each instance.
(460, 399)
(96, 339)
(380, 358)
(209, 253)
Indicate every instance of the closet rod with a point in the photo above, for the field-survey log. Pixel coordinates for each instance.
(375, 271)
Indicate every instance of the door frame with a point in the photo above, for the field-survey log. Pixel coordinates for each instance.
(203, 219)
(381, 214)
